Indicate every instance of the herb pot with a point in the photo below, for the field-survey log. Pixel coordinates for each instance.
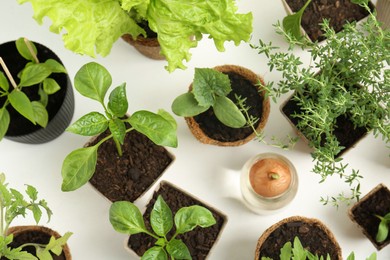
(313, 234)
(149, 47)
(60, 105)
(245, 83)
(383, 13)
(199, 241)
(37, 234)
(363, 213)
(269, 182)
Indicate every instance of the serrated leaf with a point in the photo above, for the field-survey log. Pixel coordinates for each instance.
(23, 50)
(90, 124)
(118, 129)
(155, 253)
(37, 213)
(178, 250)
(43, 254)
(55, 245)
(40, 113)
(285, 251)
(55, 66)
(4, 122)
(78, 167)
(187, 106)
(126, 218)
(117, 102)
(22, 104)
(4, 84)
(50, 86)
(34, 74)
(161, 217)
(187, 218)
(228, 113)
(32, 192)
(292, 23)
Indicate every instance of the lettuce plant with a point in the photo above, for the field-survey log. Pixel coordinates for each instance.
(91, 26)
(126, 218)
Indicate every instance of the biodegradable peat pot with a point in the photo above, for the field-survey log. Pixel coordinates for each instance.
(149, 47)
(60, 104)
(339, 12)
(199, 241)
(383, 13)
(312, 233)
(245, 83)
(376, 202)
(128, 176)
(39, 235)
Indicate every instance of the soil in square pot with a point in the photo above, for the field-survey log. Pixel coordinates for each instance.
(128, 176)
(245, 83)
(312, 233)
(383, 13)
(199, 241)
(60, 105)
(376, 202)
(338, 12)
(39, 235)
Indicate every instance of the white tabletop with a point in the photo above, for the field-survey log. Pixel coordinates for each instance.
(209, 172)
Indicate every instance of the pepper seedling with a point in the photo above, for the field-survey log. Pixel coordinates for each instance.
(126, 218)
(383, 228)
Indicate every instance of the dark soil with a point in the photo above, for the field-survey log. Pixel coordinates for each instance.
(338, 12)
(15, 63)
(214, 129)
(346, 133)
(149, 33)
(128, 176)
(364, 213)
(312, 237)
(199, 241)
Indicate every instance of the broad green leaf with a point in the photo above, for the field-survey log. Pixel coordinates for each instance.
(90, 124)
(292, 22)
(23, 49)
(187, 218)
(383, 231)
(155, 253)
(78, 167)
(187, 106)
(117, 102)
(228, 113)
(155, 127)
(22, 104)
(118, 129)
(44, 97)
(4, 85)
(178, 249)
(167, 116)
(50, 86)
(126, 218)
(34, 74)
(40, 113)
(93, 81)
(161, 217)
(4, 122)
(55, 66)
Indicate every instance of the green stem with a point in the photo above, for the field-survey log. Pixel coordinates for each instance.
(118, 146)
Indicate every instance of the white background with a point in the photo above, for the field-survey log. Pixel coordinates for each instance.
(210, 173)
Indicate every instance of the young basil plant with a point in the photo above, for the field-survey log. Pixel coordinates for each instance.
(210, 89)
(93, 81)
(292, 23)
(34, 74)
(383, 228)
(126, 218)
(12, 205)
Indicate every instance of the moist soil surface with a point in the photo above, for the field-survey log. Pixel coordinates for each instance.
(377, 203)
(338, 12)
(312, 237)
(214, 129)
(128, 176)
(199, 241)
(19, 125)
(346, 133)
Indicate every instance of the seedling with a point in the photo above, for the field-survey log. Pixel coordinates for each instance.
(383, 228)
(13, 205)
(126, 218)
(292, 22)
(93, 81)
(34, 73)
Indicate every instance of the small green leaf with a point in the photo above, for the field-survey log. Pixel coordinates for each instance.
(298, 251)
(43, 254)
(187, 106)
(383, 231)
(178, 250)
(44, 97)
(4, 85)
(90, 124)
(161, 217)
(228, 113)
(187, 218)
(155, 253)
(34, 74)
(93, 81)
(292, 22)
(117, 102)
(32, 192)
(4, 122)
(118, 129)
(351, 256)
(22, 104)
(55, 245)
(55, 66)
(126, 218)
(78, 167)
(50, 86)
(37, 213)
(40, 113)
(285, 251)
(23, 50)
(360, 2)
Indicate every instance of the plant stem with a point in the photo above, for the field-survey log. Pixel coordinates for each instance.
(8, 73)
(29, 47)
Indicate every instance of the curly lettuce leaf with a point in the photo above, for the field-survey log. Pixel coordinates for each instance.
(177, 21)
(87, 26)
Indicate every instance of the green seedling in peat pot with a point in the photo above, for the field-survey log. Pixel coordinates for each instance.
(33, 74)
(12, 205)
(210, 89)
(126, 218)
(93, 81)
(383, 228)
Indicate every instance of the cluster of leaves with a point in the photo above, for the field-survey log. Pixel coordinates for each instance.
(348, 76)
(126, 218)
(93, 81)
(12, 205)
(383, 228)
(175, 22)
(34, 74)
